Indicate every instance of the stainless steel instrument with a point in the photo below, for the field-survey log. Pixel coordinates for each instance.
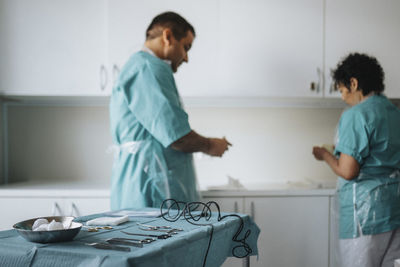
(100, 245)
(162, 236)
(165, 229)
(143, 241)
(115, 241)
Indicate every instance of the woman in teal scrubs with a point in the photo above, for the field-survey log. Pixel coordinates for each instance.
(367, 161)
(150, 129)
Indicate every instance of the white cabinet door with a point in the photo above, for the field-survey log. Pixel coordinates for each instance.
(368, 26)
(14, 210)
(334, 232)
(128, 21)
(271, 48)
(228, 204)
(85, 206)
(294, 230)
(53, 47)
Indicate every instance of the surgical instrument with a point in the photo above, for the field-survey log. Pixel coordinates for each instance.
(162, 236)
(99, 245)
(170, 231)
(160, 227)
(143, 241)
(124, 242)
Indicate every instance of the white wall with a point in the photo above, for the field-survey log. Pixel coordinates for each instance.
(269, 144)
(1, 144)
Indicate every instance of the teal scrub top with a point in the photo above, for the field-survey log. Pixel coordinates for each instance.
(370, 133)
(146, 117)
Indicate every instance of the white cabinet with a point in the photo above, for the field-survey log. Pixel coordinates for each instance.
(294, 230)
(242, 48)
(264, 48)
(229, 204)
(85, 206)
(367, 26)
(334, 232)
(232, 55)
(15, 209)
(128, 21)
(53, 47)
(271, 48)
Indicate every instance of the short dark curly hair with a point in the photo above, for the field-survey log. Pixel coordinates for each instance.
(178, 25)
(366, 69)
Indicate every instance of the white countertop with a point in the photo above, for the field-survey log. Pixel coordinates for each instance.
(268, 193)
(89, 189)
(46, 188)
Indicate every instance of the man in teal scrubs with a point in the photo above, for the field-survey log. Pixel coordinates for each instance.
(367, 160)
(149, 126)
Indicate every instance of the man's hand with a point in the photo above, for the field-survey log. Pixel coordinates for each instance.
(193, 142)
(217, 146)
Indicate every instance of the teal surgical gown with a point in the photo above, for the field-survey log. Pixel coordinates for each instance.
(146, 117)
(370, 133)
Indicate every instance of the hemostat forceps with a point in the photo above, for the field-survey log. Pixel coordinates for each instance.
(167, 229)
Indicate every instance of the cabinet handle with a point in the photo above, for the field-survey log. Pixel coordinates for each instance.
(74, 208)
(56, 208)
(252, 213)
(316, 86)
(332, 88)
(103, 78)
(115, 73)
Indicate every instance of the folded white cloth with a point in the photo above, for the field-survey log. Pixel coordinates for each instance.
(108, 220)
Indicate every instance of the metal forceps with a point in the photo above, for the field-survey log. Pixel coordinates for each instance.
(170, 231)
(166, 229)
(115, 241)
(162, 236)
(141, 241)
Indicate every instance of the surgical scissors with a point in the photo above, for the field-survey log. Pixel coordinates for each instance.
(170, 231)
(162, 236)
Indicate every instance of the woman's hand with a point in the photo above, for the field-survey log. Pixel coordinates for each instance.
(319, 152)
(346, 166)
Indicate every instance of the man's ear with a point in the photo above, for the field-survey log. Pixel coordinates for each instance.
(353, 84)
(167, 36)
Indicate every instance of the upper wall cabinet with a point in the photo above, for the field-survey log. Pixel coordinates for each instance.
(242, 48)
(253, 48)
(53, 47)
(270, 48)
(367, 26)
(128, 21)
